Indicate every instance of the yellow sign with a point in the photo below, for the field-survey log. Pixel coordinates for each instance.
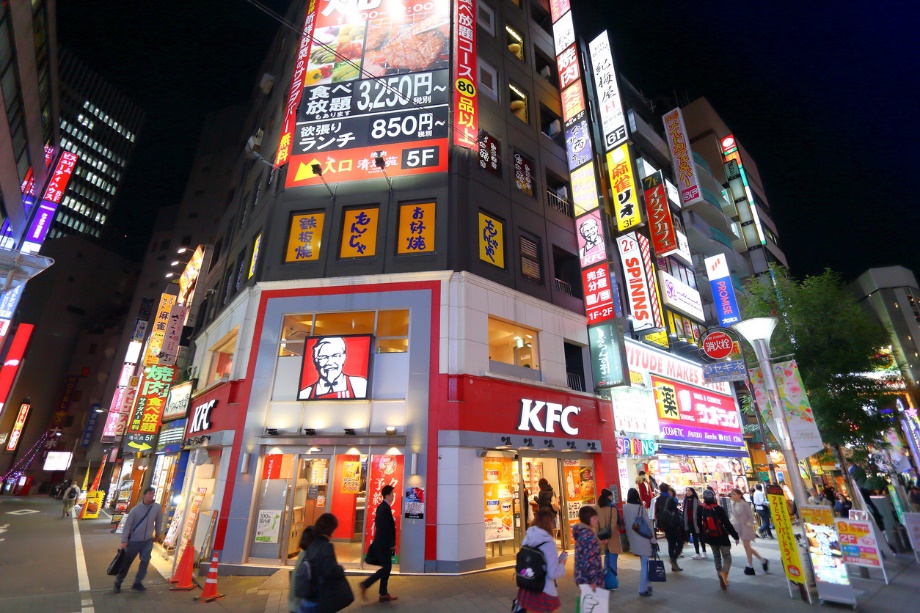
(351, 478)
(499, 498)
(659, 338)
(784, 536)
(623, 183)
(416, 228)
(491, 240)
(359, 233)
(160, 323)
(189, 276)
(584, 189)
(255, 256)
(94, 500)
(305, 238)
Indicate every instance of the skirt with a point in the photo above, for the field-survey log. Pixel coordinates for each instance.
(539, 602)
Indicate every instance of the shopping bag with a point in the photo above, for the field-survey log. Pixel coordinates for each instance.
(611, 581)
(656, 572)
(117, 561)
(593, 601)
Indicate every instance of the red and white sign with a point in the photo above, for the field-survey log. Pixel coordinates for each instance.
(557, 8)
(336, 368)
(14, 360)
(271, 467)
(58, 183)
(728, 144)
(660, 222)
(18, 426)
(717, 345)
(637, 287)
(568, 68)
(690, 413)
(466, 104)
(383, 470)
(682, 158)
(598, 293)
(297, 84)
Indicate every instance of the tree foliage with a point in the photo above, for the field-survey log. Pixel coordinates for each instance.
(835, 343)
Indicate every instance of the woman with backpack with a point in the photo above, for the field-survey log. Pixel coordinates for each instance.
(608, 522)
(318, 583)
(712, 523)
(550, 565)
(743, 520)
(641, 536)
(691, 510)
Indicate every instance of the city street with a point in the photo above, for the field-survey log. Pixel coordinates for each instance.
(42, 570)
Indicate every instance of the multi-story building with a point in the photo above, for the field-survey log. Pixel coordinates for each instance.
(100, 126)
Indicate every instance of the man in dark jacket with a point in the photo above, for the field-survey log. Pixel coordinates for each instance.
(383, 546)
(668, 520)
(714, 526)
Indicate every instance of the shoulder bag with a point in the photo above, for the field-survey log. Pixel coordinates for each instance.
(606, 532)
(641, 527)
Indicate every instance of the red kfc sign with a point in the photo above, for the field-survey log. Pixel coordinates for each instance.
(336, 368)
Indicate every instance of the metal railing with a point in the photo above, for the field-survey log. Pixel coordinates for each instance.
(563, 287)
(560, 204)
(575, 381)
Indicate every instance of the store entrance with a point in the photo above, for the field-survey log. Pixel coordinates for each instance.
(307, 500)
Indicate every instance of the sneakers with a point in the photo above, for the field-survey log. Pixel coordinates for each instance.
(766, 565)
(116, 589)
(388, 598)
(705, 557)
(138, 587)
(697, 557)
(748, 570)
(646, 594)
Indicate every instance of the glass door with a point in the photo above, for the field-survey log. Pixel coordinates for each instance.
(308, 499)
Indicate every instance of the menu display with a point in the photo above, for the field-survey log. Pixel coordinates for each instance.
(826, 555)
(579, 487)
(498, 484)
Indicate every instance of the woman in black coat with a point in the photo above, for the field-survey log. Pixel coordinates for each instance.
(691, 510)
(328, 589)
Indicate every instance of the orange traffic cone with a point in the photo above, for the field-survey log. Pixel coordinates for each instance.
(209, 592)
(183, 577)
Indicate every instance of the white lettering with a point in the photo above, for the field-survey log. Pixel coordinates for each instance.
(564, 422)
(555, 414)
(530, 415)
(202, 419)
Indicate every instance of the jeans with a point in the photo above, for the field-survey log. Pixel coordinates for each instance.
(610, 562)
(764, 514)
(382, 574)
(643, 574)
(722, 555)
(145, 549)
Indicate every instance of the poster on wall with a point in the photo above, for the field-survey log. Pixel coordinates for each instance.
(336, 367)
(383, 470)
(414, 503)
(351, 477)
(499, 498)
(268, 526)
(859, 544)
(579, 488)
(826, 555)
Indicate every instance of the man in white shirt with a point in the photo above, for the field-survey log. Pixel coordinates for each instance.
(762, 506)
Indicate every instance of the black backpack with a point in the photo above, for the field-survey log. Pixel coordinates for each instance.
(71, 494)
(530, 569)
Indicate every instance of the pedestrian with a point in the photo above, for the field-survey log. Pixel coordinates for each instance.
(842, 506)
(668, 520)
(608, 518)
(914, 498)
(540, 536)
(644, 489)
(743, 520)
(321, 587)
(641, 536)
(762, 506)
(691, 509)
(71, 494)
(713, 524)
(384, 545)
(546, 499)
(589, 570)
(142, 526)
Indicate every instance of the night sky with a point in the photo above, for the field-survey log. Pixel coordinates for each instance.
(820, 96)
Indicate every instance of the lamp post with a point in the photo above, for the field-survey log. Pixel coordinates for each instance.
(757, 331)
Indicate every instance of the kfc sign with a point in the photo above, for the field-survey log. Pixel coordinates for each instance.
(336, 368)
(201, 420)
(533, 417)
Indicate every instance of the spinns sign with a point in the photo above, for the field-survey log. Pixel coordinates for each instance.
(723, 294)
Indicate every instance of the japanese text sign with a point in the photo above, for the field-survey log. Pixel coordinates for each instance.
(788, 549)
(584, 189)
(151, 399)
(383, 470)
(359, 233)
(682, 158)
(305, 237)
(613, 121)
(640, 294)
(858, 543)
(660, 222)
(416, 228)
(598, 293)
(689, 413)
(158, 333)
(608, 356)
(623, 184)
(466, 112)
(490, 153)
(491, 240)
(19, 424)
(297, 85)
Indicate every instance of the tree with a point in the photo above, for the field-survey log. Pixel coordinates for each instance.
(836, 345)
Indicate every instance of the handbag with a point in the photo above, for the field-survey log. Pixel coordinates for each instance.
(334, 595)
(641, 527)
(117, 561)
(592, 601)
(371, 557)
(656, 572)
(605, 534)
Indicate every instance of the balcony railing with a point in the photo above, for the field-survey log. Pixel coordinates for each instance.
(575, 381)
(560, 204)
(563, 287)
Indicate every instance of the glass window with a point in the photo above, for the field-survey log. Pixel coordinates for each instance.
(485, 17)
(391, 329)
(488, 80)
(523, 173)
(358, 322)
(513, 344)
(518, 103)
(490, 153)
(222, 357)
(515, 42)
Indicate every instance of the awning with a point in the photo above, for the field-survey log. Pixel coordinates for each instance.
(702, 451)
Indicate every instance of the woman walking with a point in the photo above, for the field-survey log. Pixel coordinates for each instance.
(712, 522)
(588, 567)
(608, 519)
(641, 536)
(320, 586)
(691, 510)
(743, 521)
(540, 535)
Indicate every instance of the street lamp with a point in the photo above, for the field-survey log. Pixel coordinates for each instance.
(757, 331)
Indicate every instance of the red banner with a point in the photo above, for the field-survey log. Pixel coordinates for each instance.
(598, 293)
(297, 84)
(466, 106)
(661, 224)
(58, 183)
(383, 470)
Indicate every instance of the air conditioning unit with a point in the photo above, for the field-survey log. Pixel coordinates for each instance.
(554, 128)
(254, 144)
(268, 80)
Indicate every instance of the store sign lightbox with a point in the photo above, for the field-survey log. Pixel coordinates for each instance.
(336, 367)
(723, 293)
(541, 416)
(18, 426)
(608, 357)
(613, 120)
(682, 158)
(681, 297)
(57, 460)
(637, 284)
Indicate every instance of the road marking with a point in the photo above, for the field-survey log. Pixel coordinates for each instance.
(22, 512)
(82, 575)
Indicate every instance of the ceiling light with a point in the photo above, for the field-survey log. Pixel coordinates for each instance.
(391, 430)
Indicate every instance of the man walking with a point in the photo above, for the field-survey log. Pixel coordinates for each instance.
(762, 506)
(383, 546)
(141, 527)
(712, 522)
(71, 494)
(668, 520)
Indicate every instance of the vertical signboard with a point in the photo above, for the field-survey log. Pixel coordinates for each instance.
(591, 246)
(682, 157)
(623, 184)
(169, 349)
(13, 360)
(826, 556)
(598, 293)
(643, 299)
(161, 321)
(148, 412)
(660, 221)
(608, 355)
(41, 221)
(466, 106)
(297, 85)
(305, 237)
(803, 428)
(723, 293)
(19, 424)
(416, 228)
(785, 537)
(491, 240)
(610, 106)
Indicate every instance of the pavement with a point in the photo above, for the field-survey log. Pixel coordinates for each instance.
(40, 571)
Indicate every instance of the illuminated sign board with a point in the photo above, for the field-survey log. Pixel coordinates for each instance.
(637, 283)
(144, 422)
(189, 277)
(573, 101)
(598, 293)
(608, 359)
(591, 247)
(578, 141)
(41, 222)
(568, 67)
(169, 349)
(177, 401)
(623, 184)
(160, 323)
(466, 105)
(305, 238)
(682, 158)
(584, 189)
(14, 360)
(416, 228)
(681, 297)
(542, 416)
(723, 293)
(660, 221)
(610, 106)
(57, 460)
(359, 233)
(693, 414)
(376, 83)
(491, 240)
(16, 433)
(563, 33)
(336, 368)
(255, 256)
(558, 8)
(297, 85)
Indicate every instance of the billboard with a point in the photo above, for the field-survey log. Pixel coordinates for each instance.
(682, 158)
(723, 293)
(466, 105)
(377, 82)
(177, 401)
(660, 222)
(41, 221)
(610, 106)
(608, 355)
(336, 367)
(623, 184)
(680, 296)
(598, 293)
(578, 141)
(642, 296)
(144, 422)
(305, 239)
(189, 277)
(160, 322)
(416, 228)
(694, 414)
(297, 85)
(18, 425)
(591, 246)
(491, 240)
(14, 360)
